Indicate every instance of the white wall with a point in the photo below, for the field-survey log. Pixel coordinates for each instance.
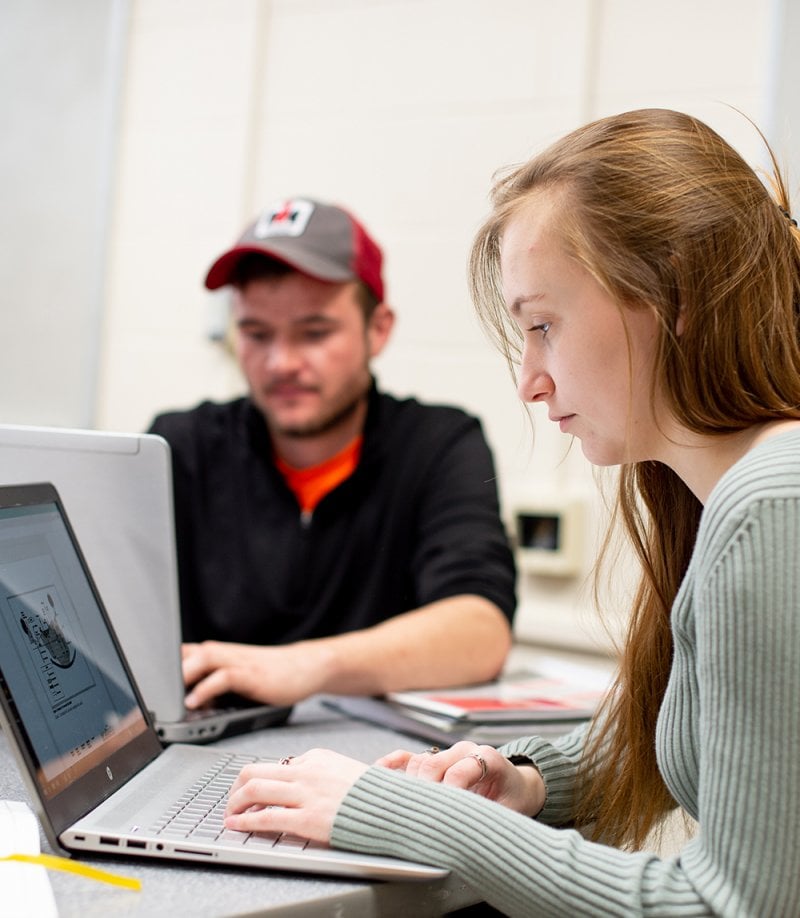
(401, 110)
(60, 70)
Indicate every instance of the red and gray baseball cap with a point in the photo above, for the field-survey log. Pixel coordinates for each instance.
(321, 240)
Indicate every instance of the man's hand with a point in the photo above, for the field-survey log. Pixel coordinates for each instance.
(272, 675)
(453, 641)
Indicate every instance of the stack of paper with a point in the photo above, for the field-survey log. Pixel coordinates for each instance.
(552, 700)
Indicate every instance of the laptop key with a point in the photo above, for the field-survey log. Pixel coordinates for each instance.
(211, 834)
(291, 841)
(231, 835)
(263, 839)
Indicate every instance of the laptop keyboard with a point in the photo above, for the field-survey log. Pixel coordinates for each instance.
(198, 815)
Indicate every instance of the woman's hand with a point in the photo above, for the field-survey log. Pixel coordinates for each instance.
(481, 769)
(300, 796)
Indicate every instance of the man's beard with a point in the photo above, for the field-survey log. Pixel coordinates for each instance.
(325, 424)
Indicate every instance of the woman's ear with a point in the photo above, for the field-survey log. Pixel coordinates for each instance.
(680, 322)
(379, 329)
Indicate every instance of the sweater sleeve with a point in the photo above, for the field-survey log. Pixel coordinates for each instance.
(746, 601)
(518, 865)
(737, 735)
(557, 762)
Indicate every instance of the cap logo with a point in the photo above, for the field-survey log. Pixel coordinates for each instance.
(287, 219)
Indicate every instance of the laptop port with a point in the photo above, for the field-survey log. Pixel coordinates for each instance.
(106, 840)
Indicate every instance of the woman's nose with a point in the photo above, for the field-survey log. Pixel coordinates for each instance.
(534, 384)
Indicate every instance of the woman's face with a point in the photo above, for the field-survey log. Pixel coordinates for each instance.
(577, 358)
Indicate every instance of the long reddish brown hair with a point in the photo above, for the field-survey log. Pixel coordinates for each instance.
(665, 215)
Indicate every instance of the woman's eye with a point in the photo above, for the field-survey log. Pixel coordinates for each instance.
(543, 327)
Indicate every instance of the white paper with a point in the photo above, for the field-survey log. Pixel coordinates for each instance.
(27, 892)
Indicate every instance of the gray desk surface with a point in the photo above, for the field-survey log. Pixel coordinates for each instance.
(180, 890)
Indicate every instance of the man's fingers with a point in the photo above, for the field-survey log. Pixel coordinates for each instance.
(200, 659)
(219, 682)
(197, 660)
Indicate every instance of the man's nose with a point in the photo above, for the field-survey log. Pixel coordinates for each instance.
(282, 356)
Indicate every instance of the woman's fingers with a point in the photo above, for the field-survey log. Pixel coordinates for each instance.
(396, 760)
(469, 771)
(300, 794)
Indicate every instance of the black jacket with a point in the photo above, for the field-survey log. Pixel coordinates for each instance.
(416, 522)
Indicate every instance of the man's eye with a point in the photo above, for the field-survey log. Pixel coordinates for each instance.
(316, 334)
(255, 336)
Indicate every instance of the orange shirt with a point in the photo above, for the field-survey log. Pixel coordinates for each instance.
(312, 484)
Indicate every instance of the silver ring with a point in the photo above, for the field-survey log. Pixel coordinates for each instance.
(286, 759)
(482, 762)
(431, 750)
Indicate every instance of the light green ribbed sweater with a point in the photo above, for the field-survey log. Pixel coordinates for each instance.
(728, 743)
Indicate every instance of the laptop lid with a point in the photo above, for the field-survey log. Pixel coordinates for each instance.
(79, 723)
(117, 488)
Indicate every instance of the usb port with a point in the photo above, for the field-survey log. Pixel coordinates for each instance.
(133, 843)
(106, 840)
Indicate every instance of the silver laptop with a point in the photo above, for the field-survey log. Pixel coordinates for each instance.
(75, 719)
(117, 488)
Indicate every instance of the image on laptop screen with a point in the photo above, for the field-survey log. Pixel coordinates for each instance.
(58, 657)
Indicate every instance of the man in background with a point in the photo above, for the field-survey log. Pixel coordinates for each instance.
(331, 538)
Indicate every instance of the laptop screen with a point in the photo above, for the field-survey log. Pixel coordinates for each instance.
(64, 681)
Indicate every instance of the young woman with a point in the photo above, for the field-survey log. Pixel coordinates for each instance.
(654, 286)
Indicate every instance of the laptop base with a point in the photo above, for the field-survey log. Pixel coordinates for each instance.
(207, 728)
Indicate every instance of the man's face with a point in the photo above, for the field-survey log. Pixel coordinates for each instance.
(304, 348)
